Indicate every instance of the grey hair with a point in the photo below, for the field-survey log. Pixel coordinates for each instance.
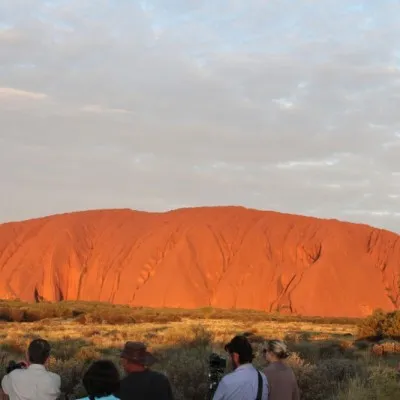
(278, 348)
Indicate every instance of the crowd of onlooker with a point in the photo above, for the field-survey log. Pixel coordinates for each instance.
(31, 380)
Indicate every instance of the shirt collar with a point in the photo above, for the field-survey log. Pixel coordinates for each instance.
(37, 366)
(244, 366)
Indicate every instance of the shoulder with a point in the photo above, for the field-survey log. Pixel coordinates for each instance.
(159, 376)
(229, 377)
(270, 367)
(54, 377)
(263, 374)
(4, 381)
(268, 370)
(15, 374)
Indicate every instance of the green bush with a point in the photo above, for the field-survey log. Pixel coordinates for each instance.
(380, 325)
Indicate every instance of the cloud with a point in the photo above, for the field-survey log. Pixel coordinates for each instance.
(156, 104)
(98, 109)
(308, 163)
(10, 93)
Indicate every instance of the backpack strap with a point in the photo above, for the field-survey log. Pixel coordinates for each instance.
(260, 386)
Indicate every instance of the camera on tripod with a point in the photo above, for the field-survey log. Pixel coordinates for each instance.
(216, 369)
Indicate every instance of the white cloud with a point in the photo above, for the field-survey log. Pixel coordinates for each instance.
(284, 103)
(151, 105)
(11, 93)
(98, 109)
(308, 163)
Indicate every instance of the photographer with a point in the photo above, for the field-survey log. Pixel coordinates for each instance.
(245, 382)
(31, 380)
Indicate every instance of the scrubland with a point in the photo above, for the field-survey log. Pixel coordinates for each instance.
(338, 359)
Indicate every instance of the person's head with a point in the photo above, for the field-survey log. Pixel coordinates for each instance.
(135, 357)
(276, 350)
(38, 351)
(240, 351)
(101, 379)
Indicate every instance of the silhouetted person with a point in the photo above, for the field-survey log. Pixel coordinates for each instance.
(33, 382)
(101, 380)
(281, 379)
(140, 382)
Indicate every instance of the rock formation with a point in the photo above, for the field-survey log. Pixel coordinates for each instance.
(225, 257)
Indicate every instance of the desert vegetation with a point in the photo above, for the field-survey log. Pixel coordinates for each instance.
(339, 359)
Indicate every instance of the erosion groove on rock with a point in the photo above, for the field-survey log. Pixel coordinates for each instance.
(209, 256)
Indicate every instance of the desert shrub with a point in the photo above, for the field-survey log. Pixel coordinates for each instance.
(380, 325)
(330, 349)
(187, 369)
(17, 311)
(386, 347)
(382, 383)
(91, 333)
(256, 339)
(87, 354)
(16, 347)
(201, 337)
(356, 389)
(5, 358)
(66, 349)
(295, 361)
(11, 314)
(372, 326)
(71, 372)
(362, 344)
(306, 350)
(297, 337)
(186, 363)
(391, 324)
(320, 381)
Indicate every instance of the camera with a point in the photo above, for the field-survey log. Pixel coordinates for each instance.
(216, 368)
(14, 365)
(216, 362)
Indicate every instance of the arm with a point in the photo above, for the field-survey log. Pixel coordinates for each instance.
(266, 389)
(4, 384)
(56, 386)
(162, 390)
(169, 389)
(269, 386)
(220, 392)
(296, 392)
(4, 390)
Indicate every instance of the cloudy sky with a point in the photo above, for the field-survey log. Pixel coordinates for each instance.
(153, 105)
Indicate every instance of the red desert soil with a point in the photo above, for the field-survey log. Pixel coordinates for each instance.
(212, 256)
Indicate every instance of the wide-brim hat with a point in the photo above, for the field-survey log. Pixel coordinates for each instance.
(137, 353)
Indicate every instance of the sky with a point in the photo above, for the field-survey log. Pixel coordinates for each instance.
(281, 105)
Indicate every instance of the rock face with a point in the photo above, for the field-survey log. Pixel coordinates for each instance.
(225, 257)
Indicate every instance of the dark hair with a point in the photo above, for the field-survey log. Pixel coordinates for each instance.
(38, 351)
(101, 379)
(241, 346)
